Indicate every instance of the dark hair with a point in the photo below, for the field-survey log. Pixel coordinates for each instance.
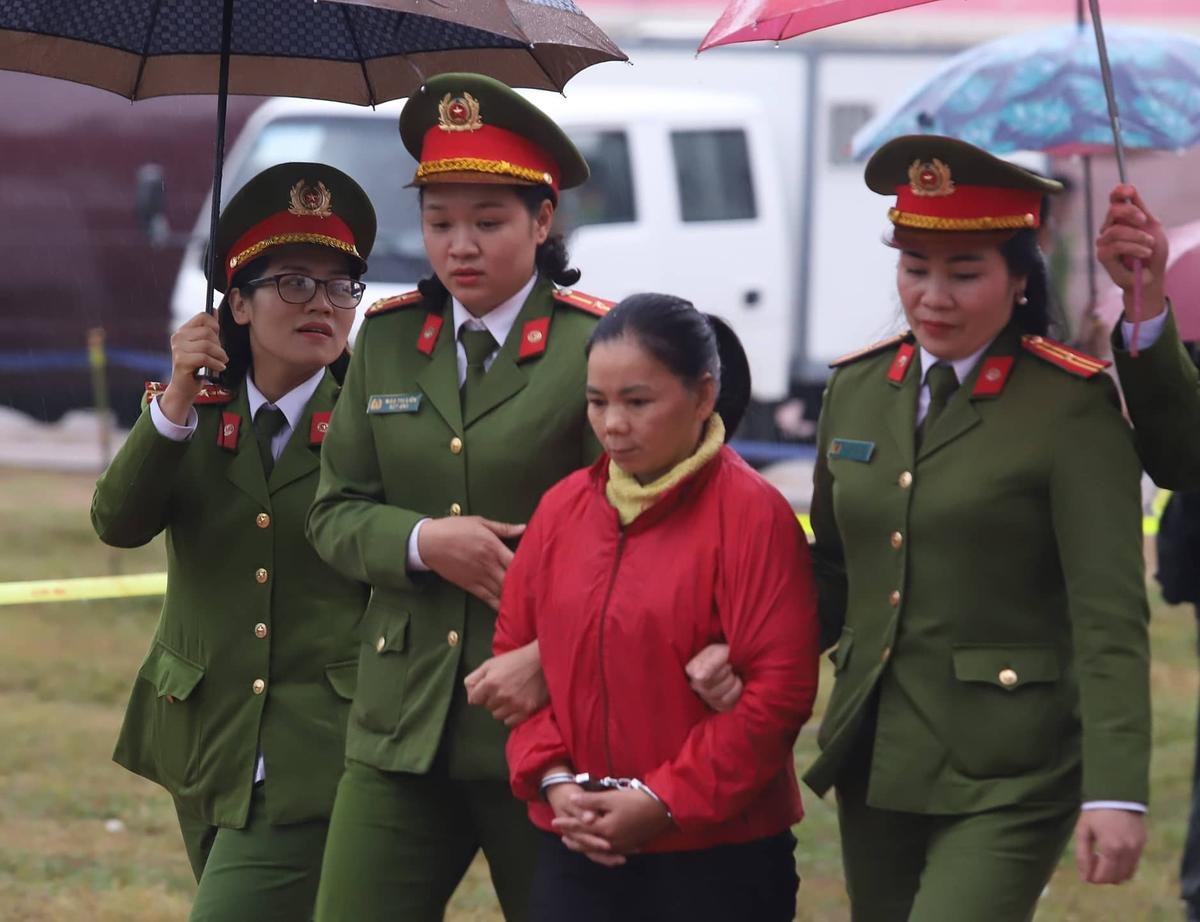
(690, 344)
(235, 337)
(551, 258)
(1024, 257)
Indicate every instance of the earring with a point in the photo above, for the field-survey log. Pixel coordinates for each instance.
(1022, 300)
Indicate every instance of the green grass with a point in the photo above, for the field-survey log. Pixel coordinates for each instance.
(65, 670)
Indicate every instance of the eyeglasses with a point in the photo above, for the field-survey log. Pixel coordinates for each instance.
(295, 288)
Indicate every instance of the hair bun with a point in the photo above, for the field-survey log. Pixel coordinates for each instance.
(735, 375)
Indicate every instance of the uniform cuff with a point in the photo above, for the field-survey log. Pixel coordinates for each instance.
(1148, 333)
(415, 563)
(170, 430)
(1115, 805)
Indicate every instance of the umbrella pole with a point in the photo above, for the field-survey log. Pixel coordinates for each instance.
(219, 152)
(1089, 218)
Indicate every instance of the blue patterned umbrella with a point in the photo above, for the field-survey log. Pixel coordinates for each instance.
(1043, 91)
(359, 51)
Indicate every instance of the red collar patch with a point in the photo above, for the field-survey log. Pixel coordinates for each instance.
(429, 333)
(993, 376)
(901, 363)
(227, 435)
(533, 338)
(318, 427)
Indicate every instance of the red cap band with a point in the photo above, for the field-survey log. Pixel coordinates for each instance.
(967, 208)
(487, 149)
(286, 227)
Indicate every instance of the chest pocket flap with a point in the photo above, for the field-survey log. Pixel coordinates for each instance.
(170, 673)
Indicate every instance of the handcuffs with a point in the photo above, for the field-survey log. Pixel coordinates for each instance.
(607, 783)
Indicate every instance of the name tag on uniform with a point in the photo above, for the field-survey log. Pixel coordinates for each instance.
(851, 450)
(394, 403)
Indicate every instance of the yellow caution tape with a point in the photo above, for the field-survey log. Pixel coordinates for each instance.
(82, 590)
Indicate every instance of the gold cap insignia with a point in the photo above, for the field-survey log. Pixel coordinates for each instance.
(459, 113)
(308, 200)
(930, 179)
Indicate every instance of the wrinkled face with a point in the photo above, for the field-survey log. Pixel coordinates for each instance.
(481, 240)
(295, 336)
(646, 417)
(957, 293)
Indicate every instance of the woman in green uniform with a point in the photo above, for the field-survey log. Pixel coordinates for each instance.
(978, 546)
(464, 402)
(240, 707)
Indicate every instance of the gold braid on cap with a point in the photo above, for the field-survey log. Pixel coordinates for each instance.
(479, 165)
(929, 222)
(280, 239)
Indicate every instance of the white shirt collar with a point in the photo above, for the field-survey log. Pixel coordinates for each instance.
(962, 367)
(498, 321)
(292, 403)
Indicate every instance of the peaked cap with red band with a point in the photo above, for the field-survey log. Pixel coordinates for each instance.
(944, 184)
(294, 203)
(471, 128)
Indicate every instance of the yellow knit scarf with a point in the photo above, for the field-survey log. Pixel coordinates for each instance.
(631, 499)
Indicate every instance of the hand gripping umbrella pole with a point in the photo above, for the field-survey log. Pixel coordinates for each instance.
(1114, 118)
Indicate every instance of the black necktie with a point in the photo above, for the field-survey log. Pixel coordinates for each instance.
(478, 345)
(268, 421)
(942, 382)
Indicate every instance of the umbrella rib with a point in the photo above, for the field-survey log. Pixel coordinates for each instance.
(137, 82)
(362, 61)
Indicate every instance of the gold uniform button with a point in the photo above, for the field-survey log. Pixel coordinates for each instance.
(262, 520)
(885, 654)
(456, 446)
(1008, 677)
(259, 686)
(894, 597)
(455, 509)
(453, 638)
(380, 644)
(905, 480)
(897, 540)
(260, 630)
(261, 575)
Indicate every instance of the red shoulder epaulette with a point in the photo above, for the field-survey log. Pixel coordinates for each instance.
(209, 394)
(873, 349)
(598, 307)
(1066, 358)
(383, 305)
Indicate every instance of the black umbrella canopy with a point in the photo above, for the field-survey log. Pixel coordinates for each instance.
(362, 51)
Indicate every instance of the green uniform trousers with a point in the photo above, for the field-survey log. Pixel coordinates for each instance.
(977, 867)
(259, 873)
(399, 843)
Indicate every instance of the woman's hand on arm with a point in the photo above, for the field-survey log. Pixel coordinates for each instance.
(712, 678)
(469, 551)
(1130, 232)
(511, 686)
(195, 345)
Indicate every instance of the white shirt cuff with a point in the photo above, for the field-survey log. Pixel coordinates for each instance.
(414, 554)
(1148, 333)
(1114, 805)
(170, 430)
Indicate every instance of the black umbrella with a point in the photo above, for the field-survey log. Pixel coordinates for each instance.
(357, 51)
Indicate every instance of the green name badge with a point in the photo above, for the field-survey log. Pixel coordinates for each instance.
(851, 450)
(394, 403)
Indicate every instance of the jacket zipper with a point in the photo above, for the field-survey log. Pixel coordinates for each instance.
(612, 579)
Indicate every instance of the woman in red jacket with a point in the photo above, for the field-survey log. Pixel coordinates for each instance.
(655, 806)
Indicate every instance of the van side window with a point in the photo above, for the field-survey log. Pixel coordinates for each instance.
(607, 196)
(712, 171)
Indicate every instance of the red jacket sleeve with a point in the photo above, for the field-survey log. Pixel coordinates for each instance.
(535, 743)
(767, 603)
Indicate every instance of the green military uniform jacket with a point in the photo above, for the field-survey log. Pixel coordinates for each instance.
(255, 644)
(988, 588)
(1162, 391)
(398, 451)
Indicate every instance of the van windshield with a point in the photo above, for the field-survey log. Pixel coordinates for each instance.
(369, 150)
